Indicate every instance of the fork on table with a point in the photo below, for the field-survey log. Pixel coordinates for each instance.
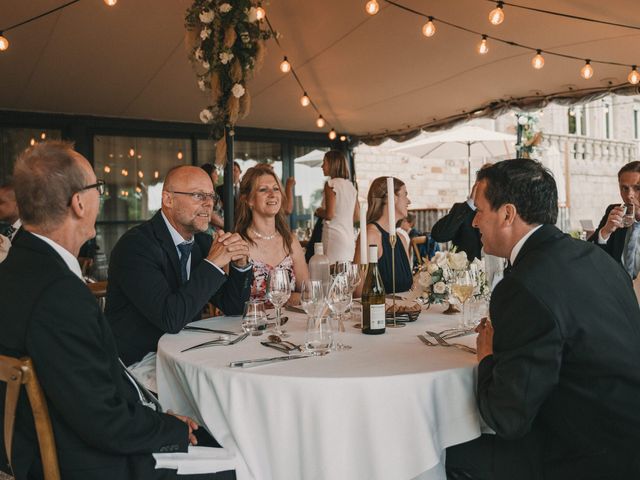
(443, 343)
(218, 342)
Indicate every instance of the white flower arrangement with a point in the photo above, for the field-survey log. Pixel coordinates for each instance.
(206, 16)
(237, 90)
(225, 8)
(206, 115)
(225, 57)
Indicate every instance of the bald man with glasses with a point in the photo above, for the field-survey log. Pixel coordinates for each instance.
(163, 272)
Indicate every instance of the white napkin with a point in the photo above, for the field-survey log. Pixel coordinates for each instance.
(197, 460)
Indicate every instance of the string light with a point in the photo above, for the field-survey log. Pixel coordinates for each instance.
(343, 138)
(32, 142)
(156, 174)
(483, 47)
(496, 16)
(320, 122)
(124, 172)
(634, 76)
(285, 66)
(4, 43)
(180, 155)
(372, 7)
(538, 61)
(140, 174)
(107, 169)
(260, 13)
(304, 100)
(110, 3)
(587, 71)
(132, 152)
(429, 29)
(332, 134)
(43, 136)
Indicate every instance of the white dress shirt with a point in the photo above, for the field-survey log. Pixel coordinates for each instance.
(518, 246)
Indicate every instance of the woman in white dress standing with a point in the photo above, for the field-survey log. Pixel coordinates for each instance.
(339, 209)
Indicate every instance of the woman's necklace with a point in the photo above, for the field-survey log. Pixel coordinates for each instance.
(264, 237)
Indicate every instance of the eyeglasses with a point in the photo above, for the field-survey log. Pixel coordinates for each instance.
(199, 196)
(99, 185)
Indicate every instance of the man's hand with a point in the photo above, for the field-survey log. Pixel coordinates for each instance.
(484, 342)
(229, 247)
(190, 423)
(614, 222)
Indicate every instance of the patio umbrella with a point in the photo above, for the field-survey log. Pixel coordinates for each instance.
(466, 141)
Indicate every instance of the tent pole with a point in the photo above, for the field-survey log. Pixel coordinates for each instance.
(469, 167)
(227, 189)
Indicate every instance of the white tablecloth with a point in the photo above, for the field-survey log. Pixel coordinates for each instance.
(386, 409)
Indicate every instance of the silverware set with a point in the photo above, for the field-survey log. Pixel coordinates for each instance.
(257, 362)
(220, 341)
(284, 346)
(440, 341)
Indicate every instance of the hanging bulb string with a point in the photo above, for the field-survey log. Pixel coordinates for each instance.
(568, 15)
(502, 40)
(49, 12)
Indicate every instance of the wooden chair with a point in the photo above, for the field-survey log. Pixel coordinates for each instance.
(16, 372)
(99, 289)
(415, 245)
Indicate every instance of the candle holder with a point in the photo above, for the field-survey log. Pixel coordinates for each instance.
(393, 240)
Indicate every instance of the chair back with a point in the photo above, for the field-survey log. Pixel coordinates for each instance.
(99, 290)
(16, 372)
(415, 244)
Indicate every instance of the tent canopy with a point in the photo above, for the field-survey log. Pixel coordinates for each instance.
(369, 76)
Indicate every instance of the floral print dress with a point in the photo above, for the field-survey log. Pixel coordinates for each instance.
(261, 272)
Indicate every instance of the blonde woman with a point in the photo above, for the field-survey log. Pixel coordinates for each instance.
(338, 210)
(262, 222)
(378, 229)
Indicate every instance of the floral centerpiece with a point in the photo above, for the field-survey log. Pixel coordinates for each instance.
(225, 39)
(433, 280)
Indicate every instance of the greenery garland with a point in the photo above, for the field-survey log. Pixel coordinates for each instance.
(226, 43)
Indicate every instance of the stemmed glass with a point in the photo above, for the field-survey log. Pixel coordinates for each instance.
(462, 288)
(312, 297)
(339, 300)
(278, 292)
(354, 274)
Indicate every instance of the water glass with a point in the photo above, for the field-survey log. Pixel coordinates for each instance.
(319, 335)
(254, 319)
(278, 292)
(312, 297)
(339, 300)
(628, 214)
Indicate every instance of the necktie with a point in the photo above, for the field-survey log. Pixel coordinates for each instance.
(631, 252)
(185, 251)
(507, 269)
(9, 232)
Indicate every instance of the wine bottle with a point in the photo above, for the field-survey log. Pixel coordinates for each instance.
(373, 307)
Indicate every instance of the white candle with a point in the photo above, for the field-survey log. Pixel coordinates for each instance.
(363, 232)
(391, 204)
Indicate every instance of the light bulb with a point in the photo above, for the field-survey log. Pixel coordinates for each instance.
(343, 138)
(332, 134)
(587, 70)
(483, 47)
(538, 61)
(305, 101)
(4, 43)
(32, 142)
(372, 7)
(132, 152)
(156, 174)
(140, 174)
(429, 29)
(285, 66)
(180, 155)
(496, 16)
(110, 3)
(320, 122)
(107, 169)
(634, 76)
(260, 13)
(124, 172)
(43, 136)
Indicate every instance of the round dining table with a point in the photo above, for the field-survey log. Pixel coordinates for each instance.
(385, 409)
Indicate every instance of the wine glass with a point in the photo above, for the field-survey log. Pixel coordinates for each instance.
(278, 292)
(312, 297)
(254, 318)
(628, 214)
(339, 300)
(354, 274)
(462, 288)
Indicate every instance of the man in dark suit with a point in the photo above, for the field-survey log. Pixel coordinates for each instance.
(558, 381)
(102, 428)
(456, 227)
(9, 214)
(163, 272)
(612, 236)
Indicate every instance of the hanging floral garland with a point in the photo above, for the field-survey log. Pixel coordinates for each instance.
(226, 43)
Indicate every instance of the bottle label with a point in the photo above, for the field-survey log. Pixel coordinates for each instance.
(377, 316)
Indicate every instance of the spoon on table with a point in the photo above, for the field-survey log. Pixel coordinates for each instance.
(289, 345)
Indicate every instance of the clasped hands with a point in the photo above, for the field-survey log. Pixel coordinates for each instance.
(229, 247)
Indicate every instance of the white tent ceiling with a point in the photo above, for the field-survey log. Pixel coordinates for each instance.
(368, 75)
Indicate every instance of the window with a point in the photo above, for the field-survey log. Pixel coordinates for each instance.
(309, 184)
(607, 120)
(14, 140)
(133, 169)
(636, 127)
(571, 117)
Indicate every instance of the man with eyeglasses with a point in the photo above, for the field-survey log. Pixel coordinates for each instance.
(102, 424)
(164, 272)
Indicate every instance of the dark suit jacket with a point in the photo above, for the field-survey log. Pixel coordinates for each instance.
(456, 227)
(101, 430)
(145, 298)
(615, 243)
(566, 362)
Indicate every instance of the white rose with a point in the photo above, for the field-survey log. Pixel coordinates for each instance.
(225, 57)
(440, 259)
(205, 65)
(424, 279)
(458, 261)
(206, 116)
(198, 54)
(225, 7)
(252, 14)
(439, 288)
(478, 264)
(201, 85)
(432, 268)
(204, 33)
(206, 16)
(237, 90)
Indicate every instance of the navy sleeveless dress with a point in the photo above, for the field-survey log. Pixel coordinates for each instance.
(404, 279)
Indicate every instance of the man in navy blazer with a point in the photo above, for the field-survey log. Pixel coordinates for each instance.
(163, 272)
(558, 377)
(102, 428)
